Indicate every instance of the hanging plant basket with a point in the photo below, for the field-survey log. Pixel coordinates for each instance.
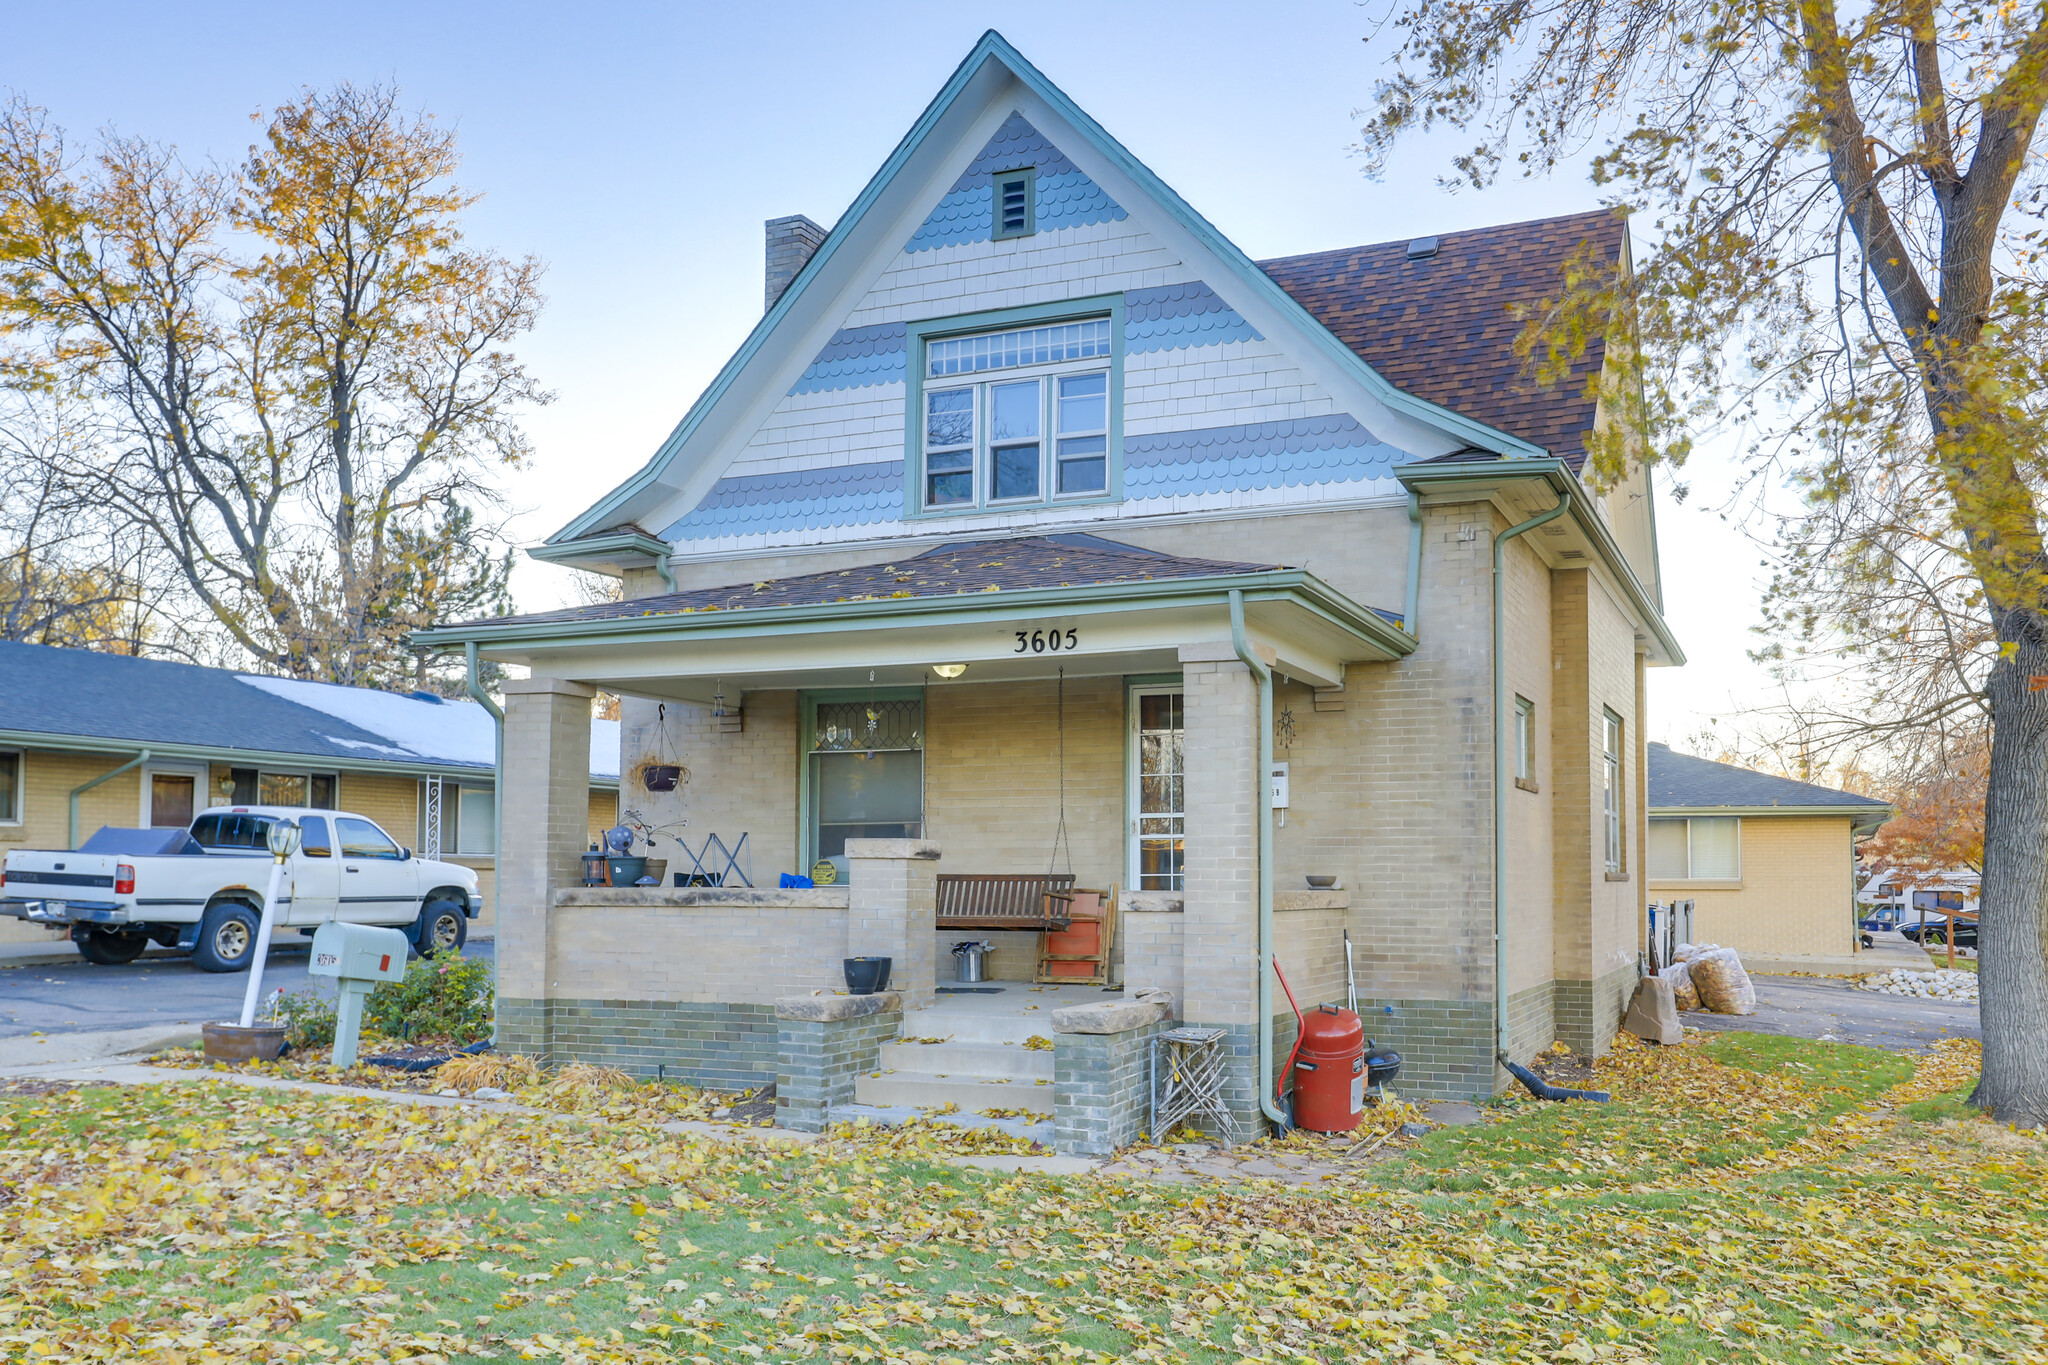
(661, 777)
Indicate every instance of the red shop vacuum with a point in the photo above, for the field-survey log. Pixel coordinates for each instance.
(1330, 1066)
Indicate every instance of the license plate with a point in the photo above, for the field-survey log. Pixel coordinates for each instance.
(50, 911)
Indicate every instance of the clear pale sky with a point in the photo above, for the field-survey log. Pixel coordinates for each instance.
(636, 148)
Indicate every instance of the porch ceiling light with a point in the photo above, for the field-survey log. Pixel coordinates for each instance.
(949, 670)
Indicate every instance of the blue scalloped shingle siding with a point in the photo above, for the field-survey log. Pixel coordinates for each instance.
(754, 504)
(1306, 451)
(1309, 450)
(1177, 315)
(856, 357)
(1064, 196)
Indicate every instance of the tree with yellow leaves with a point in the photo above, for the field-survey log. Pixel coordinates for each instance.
(1845, 210)
(301, 370)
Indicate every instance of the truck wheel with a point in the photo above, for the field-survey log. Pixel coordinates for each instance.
(108, 949)
(442, 928)
(227, 938)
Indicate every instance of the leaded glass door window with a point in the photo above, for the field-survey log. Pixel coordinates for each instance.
(866, 772)
(1158, 789)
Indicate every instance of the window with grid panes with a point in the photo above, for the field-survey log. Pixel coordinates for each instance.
(1159, 796)
(1035, 430)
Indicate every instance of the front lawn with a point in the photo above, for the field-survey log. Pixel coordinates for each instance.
(1744, 1197)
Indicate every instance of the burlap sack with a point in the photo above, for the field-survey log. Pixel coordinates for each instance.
(1684, 994)
(1723, 985)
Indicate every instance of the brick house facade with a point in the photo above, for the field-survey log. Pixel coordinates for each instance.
(1020, 392)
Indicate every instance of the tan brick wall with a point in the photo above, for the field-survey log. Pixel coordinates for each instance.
(740, 783)
(1153, 943)
(733, 953)
(1531, 816)
(545, 822)
(1219, 953)
(48, 776)
(1794, 894)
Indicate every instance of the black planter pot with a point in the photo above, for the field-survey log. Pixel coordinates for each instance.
(866, 975)
(661, 777)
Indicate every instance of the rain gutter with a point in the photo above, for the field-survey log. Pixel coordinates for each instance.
(1264, 805)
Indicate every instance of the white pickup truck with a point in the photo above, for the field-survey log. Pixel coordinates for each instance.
(202, 888)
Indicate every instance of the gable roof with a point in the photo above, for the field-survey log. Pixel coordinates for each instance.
(1682, 782)
(1442, 326)
(50, 695)
(975, 566)
(978, 78)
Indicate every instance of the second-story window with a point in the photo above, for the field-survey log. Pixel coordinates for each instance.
(1036, 428)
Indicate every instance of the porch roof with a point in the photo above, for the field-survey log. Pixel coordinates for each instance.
(1138, 605)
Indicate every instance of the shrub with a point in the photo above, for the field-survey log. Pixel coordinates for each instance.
(308, 1018)
(441, 997)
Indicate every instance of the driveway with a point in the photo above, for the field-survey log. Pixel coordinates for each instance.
(78, 997)
(1826, 1008)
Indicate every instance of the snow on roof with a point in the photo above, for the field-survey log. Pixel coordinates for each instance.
(417, 727)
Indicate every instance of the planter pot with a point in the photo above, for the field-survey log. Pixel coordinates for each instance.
(867, 975)
(661, 777)
(626, 871)
(233, 1043)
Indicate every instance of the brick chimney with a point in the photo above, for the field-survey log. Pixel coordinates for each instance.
(791, 243)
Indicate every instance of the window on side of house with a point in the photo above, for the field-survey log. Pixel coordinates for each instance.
(1525, 740)
(10, 787)
(1016, 202)
(1035, 430)
(1702, 848)
(1610, 786)
(476, 822)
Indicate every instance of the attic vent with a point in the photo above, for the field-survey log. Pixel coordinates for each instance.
(1571, 554)
(1422, 248)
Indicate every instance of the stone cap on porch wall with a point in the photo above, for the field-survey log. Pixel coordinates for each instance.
(560, 687)
(682, 898)
(825, 1009)
(907, 849)
(1147, 1007)
(1173, 903)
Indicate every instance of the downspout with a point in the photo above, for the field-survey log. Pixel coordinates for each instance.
(84, 787)
(483, 699)
(1264, 805)
(1408, 617)
(666, 570)
(1500, 771)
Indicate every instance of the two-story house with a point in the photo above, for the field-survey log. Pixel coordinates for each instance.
(1037, 526)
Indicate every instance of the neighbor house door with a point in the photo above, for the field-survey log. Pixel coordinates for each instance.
(170, 798)
(1158, 790)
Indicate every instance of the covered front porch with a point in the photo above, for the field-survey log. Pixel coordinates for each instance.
(1001, 707)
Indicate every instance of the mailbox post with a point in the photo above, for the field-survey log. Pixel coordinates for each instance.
(358, 956)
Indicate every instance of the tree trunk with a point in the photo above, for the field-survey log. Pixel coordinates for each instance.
(2012, 933)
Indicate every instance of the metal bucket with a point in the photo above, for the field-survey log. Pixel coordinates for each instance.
(970, 961)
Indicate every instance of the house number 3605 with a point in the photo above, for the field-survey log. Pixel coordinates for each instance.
(1040, 641)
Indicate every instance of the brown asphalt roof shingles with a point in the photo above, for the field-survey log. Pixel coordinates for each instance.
(978, 566)
(1442, 329)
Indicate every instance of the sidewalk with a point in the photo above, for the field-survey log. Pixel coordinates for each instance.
(1886, 955)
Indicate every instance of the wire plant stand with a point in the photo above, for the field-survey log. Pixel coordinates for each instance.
(1188, 1079)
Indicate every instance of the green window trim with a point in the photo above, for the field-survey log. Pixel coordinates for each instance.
(920, 334)
(1013, 204)
(807, 743)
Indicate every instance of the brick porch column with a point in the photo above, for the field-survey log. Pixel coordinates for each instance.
(545, 827)
(1220, 952)
(892, 911)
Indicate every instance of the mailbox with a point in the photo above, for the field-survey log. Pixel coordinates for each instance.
(358, 956)
(359, 952)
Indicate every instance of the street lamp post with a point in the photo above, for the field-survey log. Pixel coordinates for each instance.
(283, 839)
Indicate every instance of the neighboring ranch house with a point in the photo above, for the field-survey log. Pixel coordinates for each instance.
(90, 739)
(1028, 518)
(1769, 863)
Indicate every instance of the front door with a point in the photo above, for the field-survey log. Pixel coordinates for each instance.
(1158, 795)
(171, 800)
(316, 875)
(378, 886)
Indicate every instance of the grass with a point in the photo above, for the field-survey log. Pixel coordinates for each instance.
(1741, 1197)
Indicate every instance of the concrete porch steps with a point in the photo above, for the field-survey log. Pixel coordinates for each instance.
(971, 1093)
(888, 1116)
(968, 1059)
